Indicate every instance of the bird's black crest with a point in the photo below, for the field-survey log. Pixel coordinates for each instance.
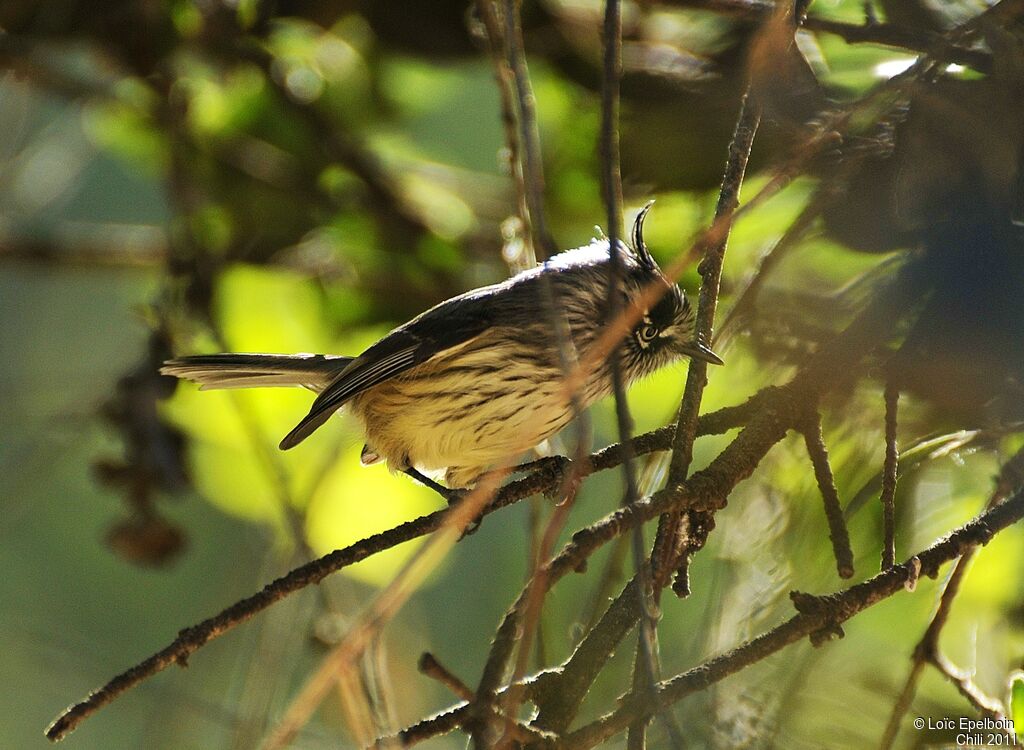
(639, 246)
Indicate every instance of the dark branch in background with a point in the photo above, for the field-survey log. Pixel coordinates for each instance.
(819, 617)
(503, 76)
(746, 299)
(889, 472)
(815, 442)
(21, 56)
(1010, 479)
(890, 35)
(149, 254)
(529, 137)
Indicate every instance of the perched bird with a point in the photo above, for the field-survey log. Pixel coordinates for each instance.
(477, 380)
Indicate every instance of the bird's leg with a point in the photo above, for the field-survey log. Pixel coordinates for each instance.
(451, 496)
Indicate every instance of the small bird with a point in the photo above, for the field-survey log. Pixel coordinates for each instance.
(477, 380)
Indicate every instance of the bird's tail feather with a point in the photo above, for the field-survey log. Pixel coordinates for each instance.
(214, 371)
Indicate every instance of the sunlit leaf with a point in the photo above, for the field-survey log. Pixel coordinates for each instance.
(354, 502)
(1017, 702)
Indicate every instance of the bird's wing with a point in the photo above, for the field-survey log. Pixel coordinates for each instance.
(449, 324)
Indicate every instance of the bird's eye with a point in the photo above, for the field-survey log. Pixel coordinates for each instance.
(648, 333)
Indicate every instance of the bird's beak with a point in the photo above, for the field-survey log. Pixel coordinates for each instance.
(697, 350)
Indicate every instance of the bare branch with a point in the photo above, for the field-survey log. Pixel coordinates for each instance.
(967, 687)
(529, 135)
(670, 553)
(430, 666)
(815, 442)
(889, 471)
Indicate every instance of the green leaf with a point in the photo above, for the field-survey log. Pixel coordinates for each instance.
(1017, 702)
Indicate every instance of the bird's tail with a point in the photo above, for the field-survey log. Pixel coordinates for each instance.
(212, 371)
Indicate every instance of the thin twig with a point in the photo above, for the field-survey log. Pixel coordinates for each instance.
(670, 553)
(967, 687)
(840, 536)
(527, 613)
(533, 600)
(529, 135)
(889, 472)
(506, 92)
(430, 666)
(646, 670)
(669, 550)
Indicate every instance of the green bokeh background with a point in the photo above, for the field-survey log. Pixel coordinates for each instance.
(303, 263)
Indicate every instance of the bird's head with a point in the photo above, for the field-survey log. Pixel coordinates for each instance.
(666, 331)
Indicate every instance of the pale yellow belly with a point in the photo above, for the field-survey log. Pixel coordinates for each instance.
(434, 418)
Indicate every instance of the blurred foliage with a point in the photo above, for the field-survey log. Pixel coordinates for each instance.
(190, 176)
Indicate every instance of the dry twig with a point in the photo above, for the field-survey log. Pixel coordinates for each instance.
(889, 472)
(815, 442)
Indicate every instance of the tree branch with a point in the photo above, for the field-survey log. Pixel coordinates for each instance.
(815, 442)
(889, 473)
